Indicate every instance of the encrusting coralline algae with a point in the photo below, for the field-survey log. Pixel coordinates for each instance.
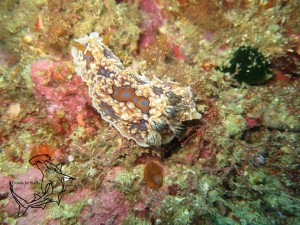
(147, 111)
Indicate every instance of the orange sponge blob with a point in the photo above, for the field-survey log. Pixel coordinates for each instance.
(43, 149)
(39, 159)
(153, 174)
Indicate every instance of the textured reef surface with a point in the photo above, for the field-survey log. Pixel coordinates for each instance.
(150, 112)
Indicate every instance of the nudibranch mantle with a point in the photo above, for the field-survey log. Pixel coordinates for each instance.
(148, 111)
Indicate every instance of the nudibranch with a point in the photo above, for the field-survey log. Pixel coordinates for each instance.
(148, 111)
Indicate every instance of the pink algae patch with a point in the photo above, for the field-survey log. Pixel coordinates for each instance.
(65, 95)
(151, 23)
(110, 207)
(23, 185)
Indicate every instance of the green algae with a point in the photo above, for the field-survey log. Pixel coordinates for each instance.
(67, 212)
(126, 179)
(131, 219)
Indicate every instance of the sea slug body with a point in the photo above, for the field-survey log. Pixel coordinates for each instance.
(148, 111)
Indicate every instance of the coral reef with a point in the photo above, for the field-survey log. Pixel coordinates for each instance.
(239, 164)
